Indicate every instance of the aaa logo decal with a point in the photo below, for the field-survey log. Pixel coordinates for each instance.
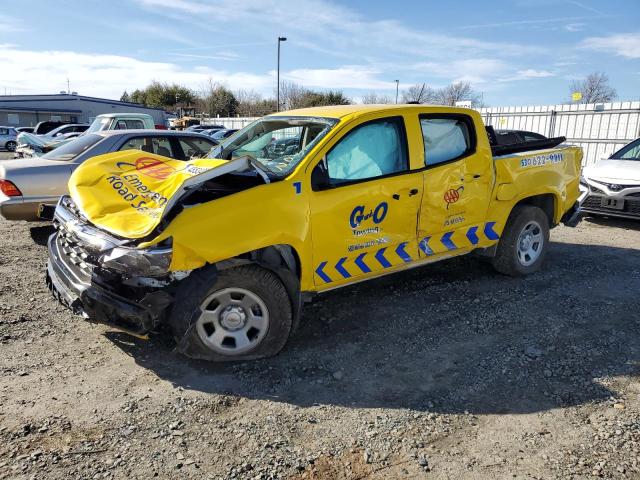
(154, 168)
(453, 195)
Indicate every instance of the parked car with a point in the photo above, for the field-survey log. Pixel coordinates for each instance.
(228, 248)
(612, 186)
(30, 144)
(46, 126)
(26, 184)
(8, 138)
(201, 127)
(121, 121)
(220, 135)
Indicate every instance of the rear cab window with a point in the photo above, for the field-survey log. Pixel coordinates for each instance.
(447, 138)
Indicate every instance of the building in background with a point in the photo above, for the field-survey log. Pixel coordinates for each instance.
(28, 110)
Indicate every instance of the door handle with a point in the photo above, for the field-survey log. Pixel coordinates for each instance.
(413, 191)
(470, 177)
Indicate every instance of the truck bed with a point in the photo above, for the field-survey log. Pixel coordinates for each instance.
(499, 150)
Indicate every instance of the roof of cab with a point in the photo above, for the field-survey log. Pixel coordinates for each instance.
(341, 111)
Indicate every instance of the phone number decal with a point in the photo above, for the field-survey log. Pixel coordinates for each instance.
(539, 160)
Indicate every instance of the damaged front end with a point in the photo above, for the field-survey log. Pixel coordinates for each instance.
(105, 278)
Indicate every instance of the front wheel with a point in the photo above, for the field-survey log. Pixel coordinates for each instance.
(240, 313)
(524, 242)
(11, 146)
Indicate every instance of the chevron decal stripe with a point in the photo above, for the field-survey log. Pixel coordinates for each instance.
(320, 272)
(402, 253)
(359, 261)
(447, 242)
(381, 258)
(473, 236)
(424, 246)
(340, 268)
(490, 232)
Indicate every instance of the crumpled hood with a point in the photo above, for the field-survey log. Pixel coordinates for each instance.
(614, 170)
(127, 193)
(41, 142)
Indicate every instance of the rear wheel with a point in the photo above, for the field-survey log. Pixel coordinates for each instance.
(236, 314)
(524, 242)
(11, 146)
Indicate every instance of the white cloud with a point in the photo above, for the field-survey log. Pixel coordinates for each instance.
(10, 25)
(352, 76)
(330, 27)
(623, 44)
(477, 71)
(28, 71)
(528, 74)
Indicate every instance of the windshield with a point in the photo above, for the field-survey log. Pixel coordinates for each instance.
(99, 124)
(71, 150)
(277, 143)
(630, 152)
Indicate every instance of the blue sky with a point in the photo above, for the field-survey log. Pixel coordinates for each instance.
(514, 52)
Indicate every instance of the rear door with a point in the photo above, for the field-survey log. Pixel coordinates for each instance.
(363, 221)
(458, 179)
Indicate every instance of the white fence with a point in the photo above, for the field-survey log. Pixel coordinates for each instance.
(600, 128)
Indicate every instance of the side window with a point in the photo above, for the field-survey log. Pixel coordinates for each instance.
(134, 124)
(446, 139)
(157, 145)
(4, 131)
(371, 150)
(162, 146)
(195, 147)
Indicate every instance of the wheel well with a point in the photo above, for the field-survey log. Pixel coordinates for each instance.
(545, 202)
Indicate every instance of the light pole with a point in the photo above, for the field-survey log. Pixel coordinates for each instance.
(280, 39)
(397, 86)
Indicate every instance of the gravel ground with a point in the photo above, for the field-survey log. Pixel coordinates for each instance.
(446, 371)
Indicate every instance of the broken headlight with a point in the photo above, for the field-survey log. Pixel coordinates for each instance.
(139, 262)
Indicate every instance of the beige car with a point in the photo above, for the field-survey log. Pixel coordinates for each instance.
(29, 183)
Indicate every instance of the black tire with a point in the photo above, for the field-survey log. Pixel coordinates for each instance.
(507, 260)
(11, 146)
(262, 283)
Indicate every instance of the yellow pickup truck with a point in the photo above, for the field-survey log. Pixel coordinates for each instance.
(225, 250)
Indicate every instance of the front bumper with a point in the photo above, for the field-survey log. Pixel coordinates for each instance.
(631, 209)
(85, 294)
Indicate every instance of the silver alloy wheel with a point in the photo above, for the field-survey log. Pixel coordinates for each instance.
(11, 146)
(232, 321)
(530, 243)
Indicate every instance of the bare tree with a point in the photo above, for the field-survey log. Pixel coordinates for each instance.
(420, 93)
(457, 92)
(594, 89)
(375, 98)
(291, 95)
(252, 104)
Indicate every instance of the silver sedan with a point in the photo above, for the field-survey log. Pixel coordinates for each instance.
(29, 183)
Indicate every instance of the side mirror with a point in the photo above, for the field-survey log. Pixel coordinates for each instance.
(320, 176)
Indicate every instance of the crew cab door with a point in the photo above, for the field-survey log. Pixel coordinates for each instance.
(364, 203)
(458, 178)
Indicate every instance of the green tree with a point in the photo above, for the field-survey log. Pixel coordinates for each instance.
(217, 99)
(162, 95)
